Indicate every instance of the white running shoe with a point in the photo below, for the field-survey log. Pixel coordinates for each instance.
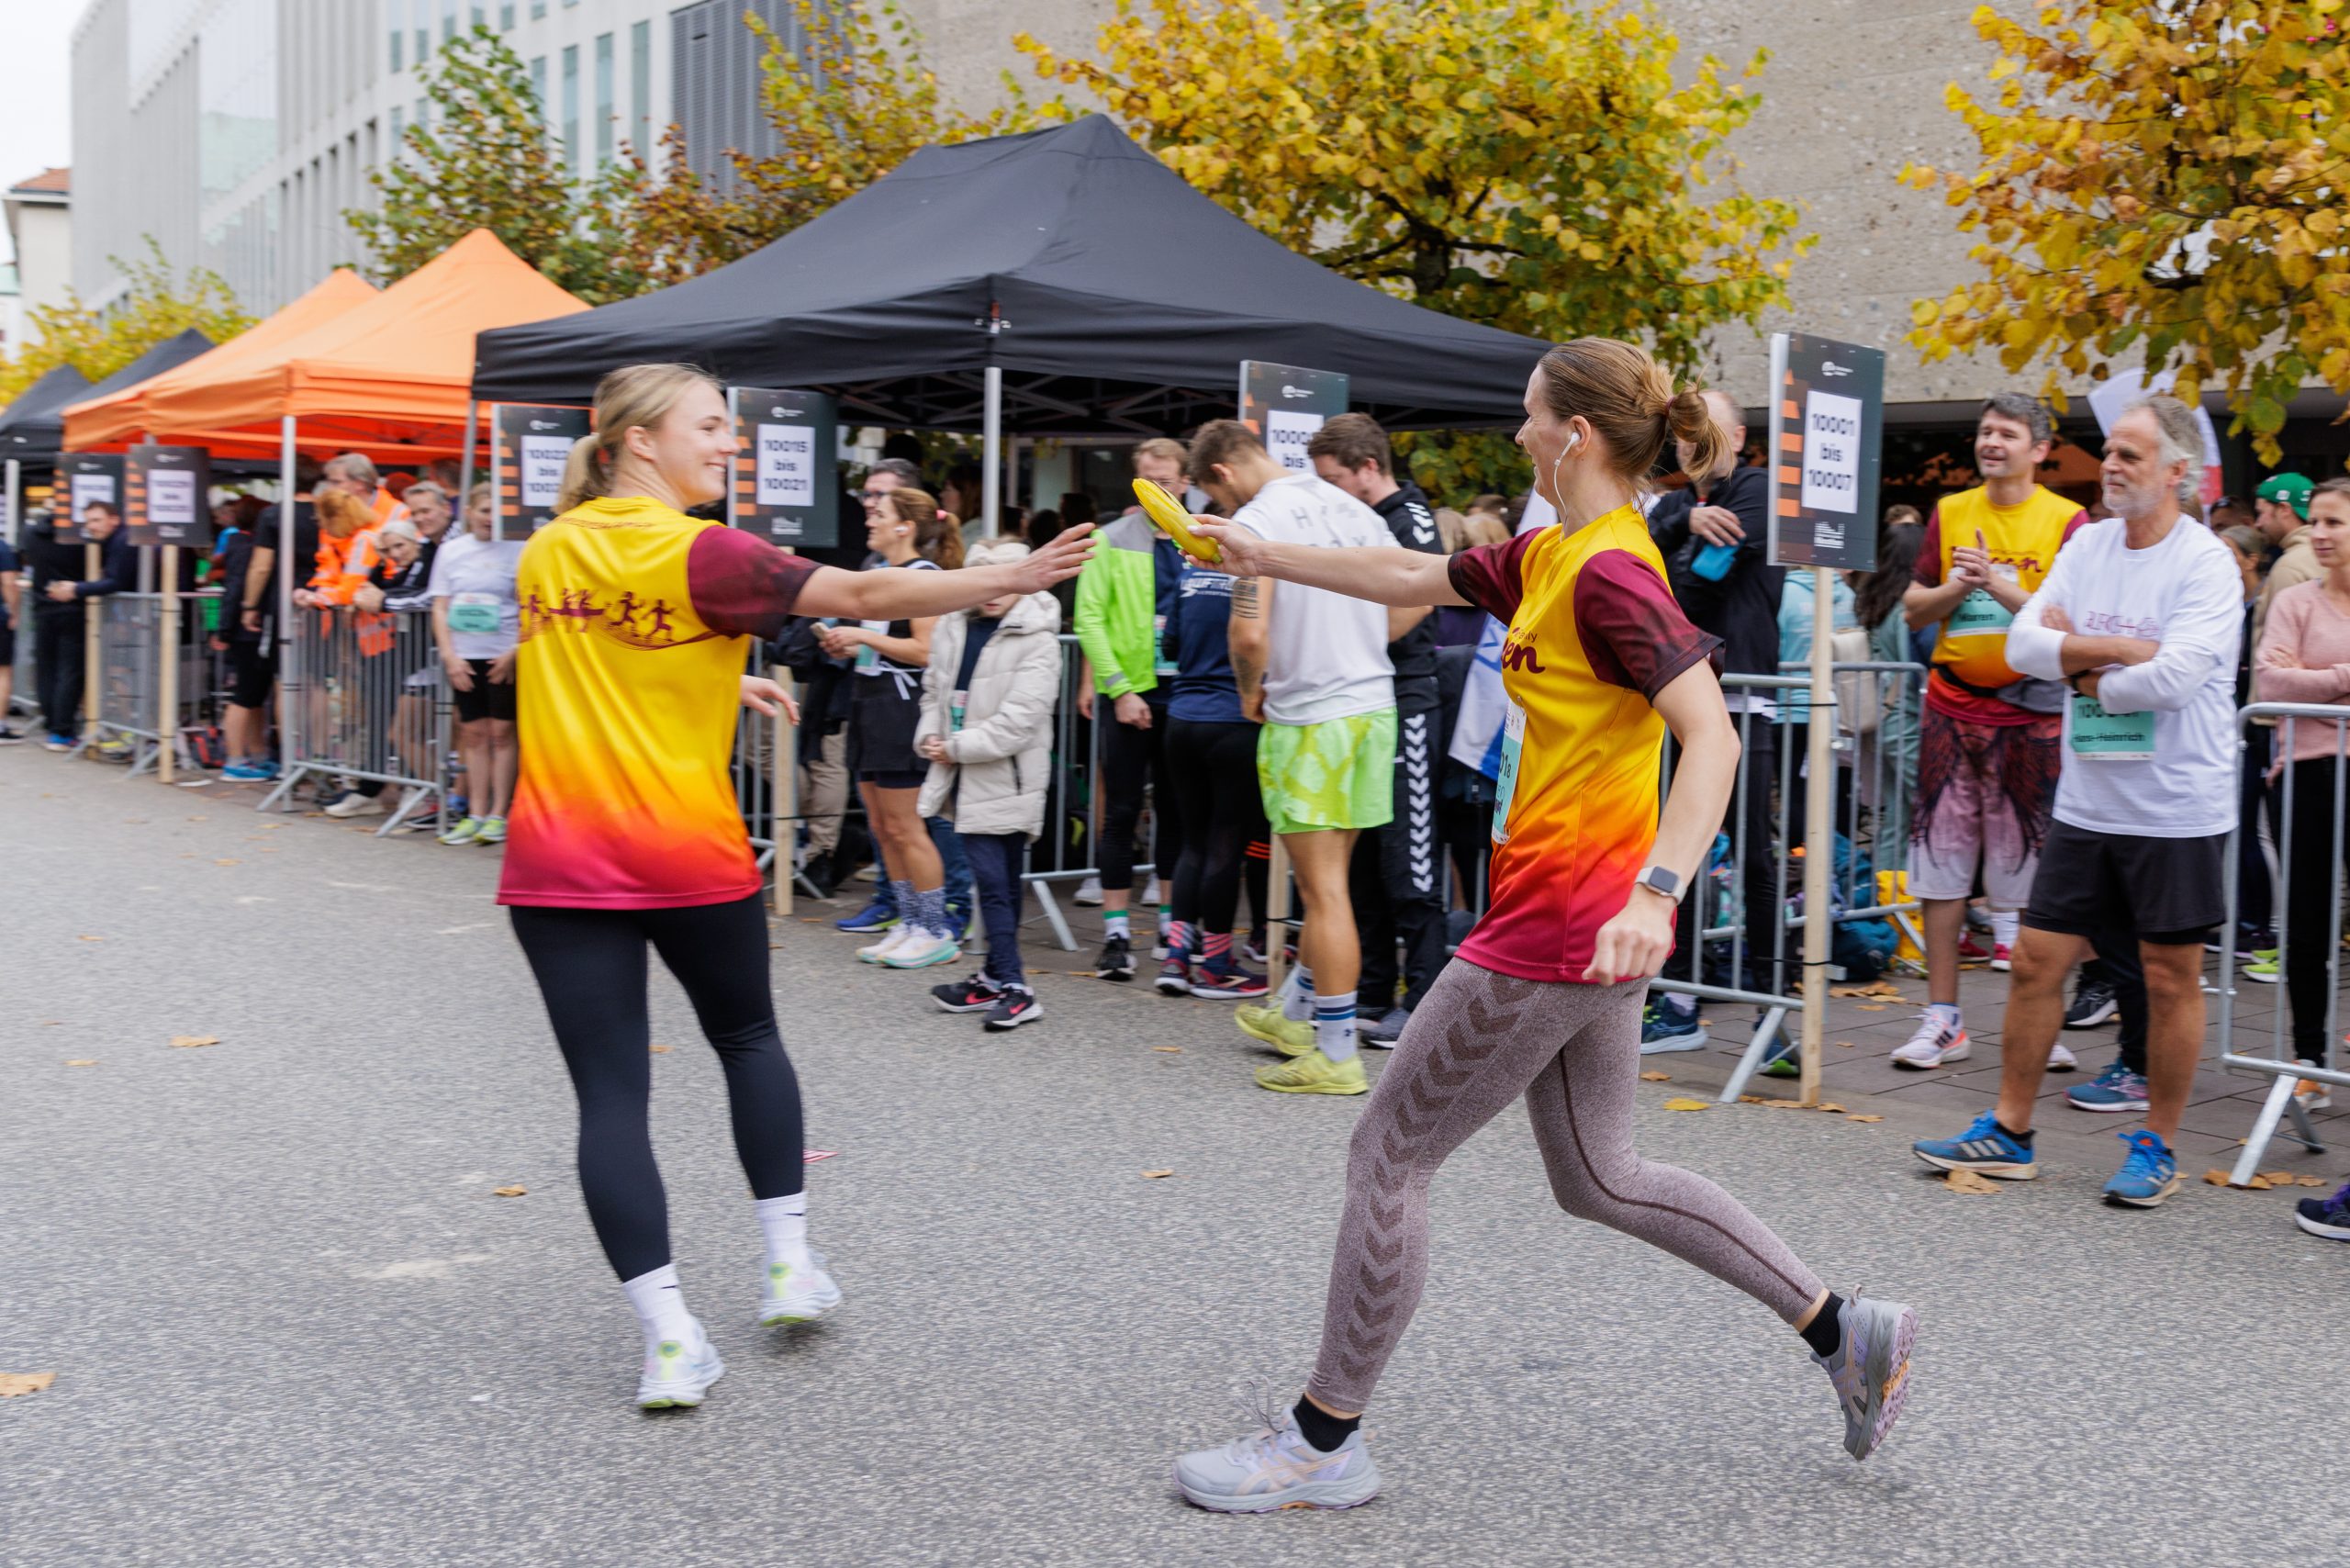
(1871, 1369)
(1936, 1044)
(1276, 1468)
(1150, 890)
(2061, 1058)
(920, 950)
(674, 1375)
(798, 1295)
(357, 805)
(879, 952)
(1089, 892)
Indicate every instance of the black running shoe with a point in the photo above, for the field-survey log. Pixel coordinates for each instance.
(2093, 1003)
(1015, 1005)
(976, 994)
(1116, 962)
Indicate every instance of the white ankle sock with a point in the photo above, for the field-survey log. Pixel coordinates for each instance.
(1334, 1023)
(661, 1307)
(1297, 994)
(1946, 1010)
(2003, 928)
(785, 1220)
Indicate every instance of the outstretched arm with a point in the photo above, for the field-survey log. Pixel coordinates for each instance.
(912, 596)
(1384, 574)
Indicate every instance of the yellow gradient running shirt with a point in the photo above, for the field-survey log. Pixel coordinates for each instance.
(1594, 635)
(627, 687)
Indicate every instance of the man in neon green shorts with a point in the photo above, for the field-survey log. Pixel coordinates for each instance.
(1312, 667)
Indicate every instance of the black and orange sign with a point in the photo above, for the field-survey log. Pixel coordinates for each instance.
(529, 443)
(165, 489)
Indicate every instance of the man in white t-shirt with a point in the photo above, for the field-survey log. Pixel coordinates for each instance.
(2142, 616)
(1312, 667)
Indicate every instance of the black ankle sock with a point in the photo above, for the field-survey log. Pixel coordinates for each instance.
(1826, 1329)
(1324, 1431)
(2024, 1138)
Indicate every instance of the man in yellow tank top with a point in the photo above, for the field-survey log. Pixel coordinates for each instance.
(1988, 749)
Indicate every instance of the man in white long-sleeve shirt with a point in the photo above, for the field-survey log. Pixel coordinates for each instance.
(2141, 616)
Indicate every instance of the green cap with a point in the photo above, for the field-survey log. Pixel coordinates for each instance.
(2292, 489)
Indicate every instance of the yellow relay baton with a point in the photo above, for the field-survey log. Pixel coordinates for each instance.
(1169, 513)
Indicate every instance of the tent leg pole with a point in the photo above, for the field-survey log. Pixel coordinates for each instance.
(282, 631)
(465, 463)
(992, 456)
(8, 521)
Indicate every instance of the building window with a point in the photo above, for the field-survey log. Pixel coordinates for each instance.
(399, 36)
(607, 108)
(506, 16)
(399, 130)
(480, 15)
(448, 20)
(571, 105)
(539, 82)
(538, 10)
(423, 31)
(640, 87)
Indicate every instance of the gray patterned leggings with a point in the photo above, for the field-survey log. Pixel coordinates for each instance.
(1479, 1041)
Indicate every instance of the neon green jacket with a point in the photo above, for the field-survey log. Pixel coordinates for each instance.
(1117, 609)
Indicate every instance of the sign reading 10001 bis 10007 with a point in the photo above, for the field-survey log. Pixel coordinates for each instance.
(1826, 429)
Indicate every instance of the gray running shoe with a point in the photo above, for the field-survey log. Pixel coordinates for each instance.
(1871, 1369)
(677, 1374)
(1275, 1467)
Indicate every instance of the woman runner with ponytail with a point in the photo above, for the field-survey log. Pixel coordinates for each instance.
(1543, 1000)
(625, 833)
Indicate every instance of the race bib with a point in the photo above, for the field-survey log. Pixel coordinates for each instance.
(1505, 781)
(1978, 614)
(474, 612)
(2100, 736)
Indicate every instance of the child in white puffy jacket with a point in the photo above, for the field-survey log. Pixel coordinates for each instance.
(986, 730)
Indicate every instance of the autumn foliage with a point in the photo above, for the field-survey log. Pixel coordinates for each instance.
(2165, 181)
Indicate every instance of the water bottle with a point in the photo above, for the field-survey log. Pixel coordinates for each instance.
(1713, 562)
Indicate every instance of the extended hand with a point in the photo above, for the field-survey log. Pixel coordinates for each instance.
(1132, 709)
(766, 696)
(1635, 943)
(1716, 525)
(1063, 557)
(1241, 552)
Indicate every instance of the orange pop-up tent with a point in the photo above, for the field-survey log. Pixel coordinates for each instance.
(387, 376)
(125, 415)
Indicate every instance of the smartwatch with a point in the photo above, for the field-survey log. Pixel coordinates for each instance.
(1656, 880)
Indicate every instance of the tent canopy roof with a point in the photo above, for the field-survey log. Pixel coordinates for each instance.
(1116, 298)
(176, 350)
(384, 374)
(34, 425)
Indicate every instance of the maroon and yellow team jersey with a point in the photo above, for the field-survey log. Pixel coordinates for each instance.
(1594, 635)
(627, 690)
(1970, 647)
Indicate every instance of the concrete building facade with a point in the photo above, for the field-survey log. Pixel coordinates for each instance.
(39, 210)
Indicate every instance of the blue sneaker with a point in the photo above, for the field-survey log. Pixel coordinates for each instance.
(1983, 1148)
(2115, 1089)
(2329, 1217)
(2149, 1172)
(879, 915)
(1664, 1027)
(1783, 1059)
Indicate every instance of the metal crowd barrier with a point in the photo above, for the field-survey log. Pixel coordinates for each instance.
(372, 705)
(126, 678)
(2291, 859)
(1876, 708)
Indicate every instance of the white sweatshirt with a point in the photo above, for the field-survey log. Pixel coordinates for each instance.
(2186, 594)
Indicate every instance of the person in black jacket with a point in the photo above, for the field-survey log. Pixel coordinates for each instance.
(1396, 878)
(1713, 536)
(60, 612)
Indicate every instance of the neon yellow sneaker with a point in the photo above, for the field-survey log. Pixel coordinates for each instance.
(1315, 1073)
(1291, 1036)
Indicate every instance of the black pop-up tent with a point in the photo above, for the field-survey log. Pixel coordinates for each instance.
(38, 434)
(1067, 267)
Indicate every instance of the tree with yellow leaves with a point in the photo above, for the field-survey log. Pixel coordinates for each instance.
(157, 304)
(2168, 177)
(1529, 164)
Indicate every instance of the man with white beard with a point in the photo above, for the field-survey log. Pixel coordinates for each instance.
(2141, 616)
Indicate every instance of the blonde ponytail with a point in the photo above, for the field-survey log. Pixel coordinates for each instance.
(582, 477)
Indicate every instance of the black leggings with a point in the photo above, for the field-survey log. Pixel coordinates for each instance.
(591, 970)
(2321, 839)
(1131, 757)
(1222, 809)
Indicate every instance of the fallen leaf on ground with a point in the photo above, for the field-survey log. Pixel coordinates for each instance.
(1967, 1182)
(1871, 1006)
(1785, 1104)
(1864, 1118)
(1829, 1105)
(1682, 1103)
(2215, 1178)
(664, 1051)
(228, 862)
(2311, 1181)
(82, 1061)
(507, 1192)
(196, 819)
(1874, 988)
(2278, 1178)
(1843, 1045)
(1155, 1175)
(89, 939)
(1170, 1050)
(14, 1383)
(1750, 1099)
(189, 1042)
(1656, 1078)
(2258, 1183)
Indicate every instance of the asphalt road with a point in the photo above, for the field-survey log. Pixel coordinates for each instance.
(291, 1324)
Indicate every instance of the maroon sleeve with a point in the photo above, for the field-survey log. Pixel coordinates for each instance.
(741, 584)
(1632, 630)
(2080, 521)
(1929, 570)
(1490, 577)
